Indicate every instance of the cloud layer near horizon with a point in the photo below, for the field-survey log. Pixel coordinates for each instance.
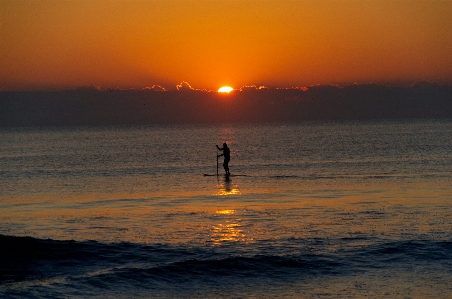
(90, 106)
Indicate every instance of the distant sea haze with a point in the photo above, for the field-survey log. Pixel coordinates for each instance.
(136, 107)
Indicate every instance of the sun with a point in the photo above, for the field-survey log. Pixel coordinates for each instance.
(226, 89)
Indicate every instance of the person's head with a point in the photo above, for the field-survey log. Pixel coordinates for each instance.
(224, 144)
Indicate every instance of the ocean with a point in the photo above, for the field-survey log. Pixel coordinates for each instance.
(358, 209)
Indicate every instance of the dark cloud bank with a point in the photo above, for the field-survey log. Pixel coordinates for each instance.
(89, 106)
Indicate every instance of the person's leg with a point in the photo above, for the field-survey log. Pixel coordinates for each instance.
(226, 166)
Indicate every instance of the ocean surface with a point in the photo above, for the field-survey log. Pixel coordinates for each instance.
(312, 210)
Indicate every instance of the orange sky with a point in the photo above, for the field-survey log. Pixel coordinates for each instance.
(138, 43)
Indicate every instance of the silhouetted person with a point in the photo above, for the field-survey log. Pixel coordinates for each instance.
(227, 156)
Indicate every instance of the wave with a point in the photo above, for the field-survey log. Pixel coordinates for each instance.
(25, 259)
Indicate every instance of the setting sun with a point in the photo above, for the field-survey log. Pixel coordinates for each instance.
(227, 89)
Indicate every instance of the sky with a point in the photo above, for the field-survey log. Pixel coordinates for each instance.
(51, 45)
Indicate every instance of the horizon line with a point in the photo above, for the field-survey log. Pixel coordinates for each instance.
(185, 86)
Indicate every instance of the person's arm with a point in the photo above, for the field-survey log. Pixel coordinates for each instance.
(220, 150)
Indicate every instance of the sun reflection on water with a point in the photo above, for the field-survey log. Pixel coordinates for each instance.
(227, 232)
(230, 230)
(227, 188)
(225, 212)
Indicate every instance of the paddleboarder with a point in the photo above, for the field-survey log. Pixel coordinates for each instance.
(227, 156)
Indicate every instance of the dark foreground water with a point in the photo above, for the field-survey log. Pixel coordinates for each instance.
(318, 210)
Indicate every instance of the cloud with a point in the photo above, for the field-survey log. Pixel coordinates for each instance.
(184, 86)
(252, 87)
(155, 87)
(87, 88)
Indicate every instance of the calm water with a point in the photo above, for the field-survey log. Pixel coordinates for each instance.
(316, 210)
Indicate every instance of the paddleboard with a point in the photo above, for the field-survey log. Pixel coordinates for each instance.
(231, 175)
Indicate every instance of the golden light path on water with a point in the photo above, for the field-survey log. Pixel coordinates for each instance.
(228, 231)
(237, 215)
(227, 188)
